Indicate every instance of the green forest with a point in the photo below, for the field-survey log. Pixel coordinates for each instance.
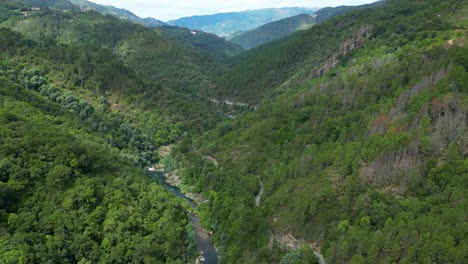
(346, 141)
(71, 193)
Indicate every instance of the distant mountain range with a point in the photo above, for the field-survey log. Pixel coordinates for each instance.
(342, 143)
(285, 27)
(227, 24)
(274, 30)
(247, 29)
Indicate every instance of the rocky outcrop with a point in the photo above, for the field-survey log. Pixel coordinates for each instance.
(356, 40)
(290, 242)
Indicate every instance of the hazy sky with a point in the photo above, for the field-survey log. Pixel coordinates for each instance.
(172, 9)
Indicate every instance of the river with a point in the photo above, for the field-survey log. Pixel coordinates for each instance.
(203, 241)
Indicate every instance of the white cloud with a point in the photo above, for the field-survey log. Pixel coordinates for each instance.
(166, 9)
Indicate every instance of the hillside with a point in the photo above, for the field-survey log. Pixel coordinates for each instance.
(71, 179)
(60, 4)
(207, 42)
(87, 5)
(342, 143)
(331, 12)
(363, 160)
(285, 27)
(226, 24)
(260, 74)
(117, 12)
(150, 52)
(255, 74)
(274, 31)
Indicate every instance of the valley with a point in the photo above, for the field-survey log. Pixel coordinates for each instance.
(337, 139)
(203, 243)
(232, 23)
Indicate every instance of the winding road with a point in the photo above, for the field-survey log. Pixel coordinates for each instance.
(259, 195)
(321, 259)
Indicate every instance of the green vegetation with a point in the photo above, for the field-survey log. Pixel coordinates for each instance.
(230, 24)
(366, 159)
(210, 43)
(261, 73)
(77, 127)
(67, 194)
(146, 51)
(117, 12)
(284, 27)
(327, 13)
(274, 31)
(358, 138)
(59, 4)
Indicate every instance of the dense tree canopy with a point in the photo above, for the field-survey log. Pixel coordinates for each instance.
(367, 159)
(356, 149)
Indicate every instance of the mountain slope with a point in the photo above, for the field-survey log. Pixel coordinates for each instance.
(225, 24)
(357, 151)
(159, 54)
(87, 5)
(365, 161)
(259, 74)
(61, 4)
(331, 12)
(285, 27)
(71, 179)
(207, 42)
(117, 12)
(256, 73)
(274, 31)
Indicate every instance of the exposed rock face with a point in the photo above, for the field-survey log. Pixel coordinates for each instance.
(349, 45)
(354, 42)
(290, 242)
(173, 178)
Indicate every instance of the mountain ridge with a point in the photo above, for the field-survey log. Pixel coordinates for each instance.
(274, 30)
(281, 28)
(356, 152)
(225, 24)
(346, 141)
(118, 12)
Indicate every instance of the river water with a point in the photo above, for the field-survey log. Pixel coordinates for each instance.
(203, 241)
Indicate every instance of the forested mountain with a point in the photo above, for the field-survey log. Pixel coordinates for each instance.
(352, 144)
(273, 68)
(207, 42)
(78, 124)
(331, 12)
(117, 12)
(150, 52)
(255, 74)
(60, 4)
(362, 152)
(285, 27)
(87, 5)
(226, 24)
(72, 189)
(274, 31)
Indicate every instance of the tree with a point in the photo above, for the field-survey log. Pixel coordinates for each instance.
(59, 177)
